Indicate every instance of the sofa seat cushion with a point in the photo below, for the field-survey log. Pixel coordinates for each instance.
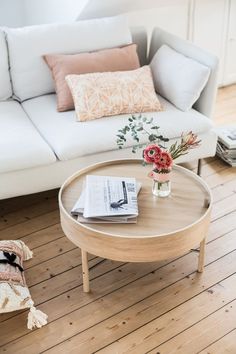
(5, 82)
(71, 139)
(21, 145)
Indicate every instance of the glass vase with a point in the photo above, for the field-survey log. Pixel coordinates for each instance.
(161, 184)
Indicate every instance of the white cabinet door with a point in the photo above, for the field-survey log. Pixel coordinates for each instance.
(209, 27)
(230, 60)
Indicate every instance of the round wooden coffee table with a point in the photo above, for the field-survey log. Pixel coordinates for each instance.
(166, 227)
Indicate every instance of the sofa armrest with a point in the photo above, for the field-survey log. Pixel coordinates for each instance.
(205, 103)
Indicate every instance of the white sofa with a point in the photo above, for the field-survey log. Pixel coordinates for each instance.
(39, 147)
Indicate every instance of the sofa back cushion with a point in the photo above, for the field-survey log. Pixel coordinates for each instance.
(139, 37)
(31, 76)
(178, 78)
(205, 103)
(5, 83)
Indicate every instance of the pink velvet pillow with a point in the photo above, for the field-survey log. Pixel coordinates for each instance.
(61, 65)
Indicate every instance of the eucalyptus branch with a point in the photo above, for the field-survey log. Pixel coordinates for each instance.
(138, 125)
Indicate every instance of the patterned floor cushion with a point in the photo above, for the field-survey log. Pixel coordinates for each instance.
(14, 293)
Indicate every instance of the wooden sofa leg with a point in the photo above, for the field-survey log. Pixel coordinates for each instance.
(199, 167)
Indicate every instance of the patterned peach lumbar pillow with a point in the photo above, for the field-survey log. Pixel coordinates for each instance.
(99, 95)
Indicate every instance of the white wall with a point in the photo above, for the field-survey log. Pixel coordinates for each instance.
(209, 26)
(230, 55)
(49, 11)
(177, 15)
(102, 8)
(11, 13)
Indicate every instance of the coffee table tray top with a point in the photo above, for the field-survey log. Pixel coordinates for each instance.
(166, 227)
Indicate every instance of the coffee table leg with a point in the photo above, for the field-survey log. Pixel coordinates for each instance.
(201, 257)
(85, 270)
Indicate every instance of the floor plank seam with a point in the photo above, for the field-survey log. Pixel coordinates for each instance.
(38, 230)
(223, 216)
(43, 244)
(219, 201)
(117, 288)
(116, 268)
(229, 232)
(17, 314)
(215, 172)
(26, 219)
(78, 286)
(64, 292)
(132, 304)
(218, 339)
(46, 243)
(77, 247)
(202, 319)
(57, 275)
(26, 206)
(49, 259)
(205, 290)
(230, 195)
(193, 250)
(218, 183)
(22, 222)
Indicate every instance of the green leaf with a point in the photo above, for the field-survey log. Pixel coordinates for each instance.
(149, 121)
(152, 137)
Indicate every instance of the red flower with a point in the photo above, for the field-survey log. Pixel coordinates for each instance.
(164, 162)
(151, 153)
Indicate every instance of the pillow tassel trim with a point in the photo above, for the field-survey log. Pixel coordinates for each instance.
(14, 293)
(36, 318)
(27, 253)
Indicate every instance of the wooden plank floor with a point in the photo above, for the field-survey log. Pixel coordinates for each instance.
(163, 307)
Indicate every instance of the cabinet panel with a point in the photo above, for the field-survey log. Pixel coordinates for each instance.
(209, 25)
(230, 62)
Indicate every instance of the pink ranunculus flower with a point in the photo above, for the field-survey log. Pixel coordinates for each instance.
(151, 153)
(164, 162)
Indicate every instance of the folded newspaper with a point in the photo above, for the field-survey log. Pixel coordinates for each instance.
(226, 145)
(107, 199)
(227, 136)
